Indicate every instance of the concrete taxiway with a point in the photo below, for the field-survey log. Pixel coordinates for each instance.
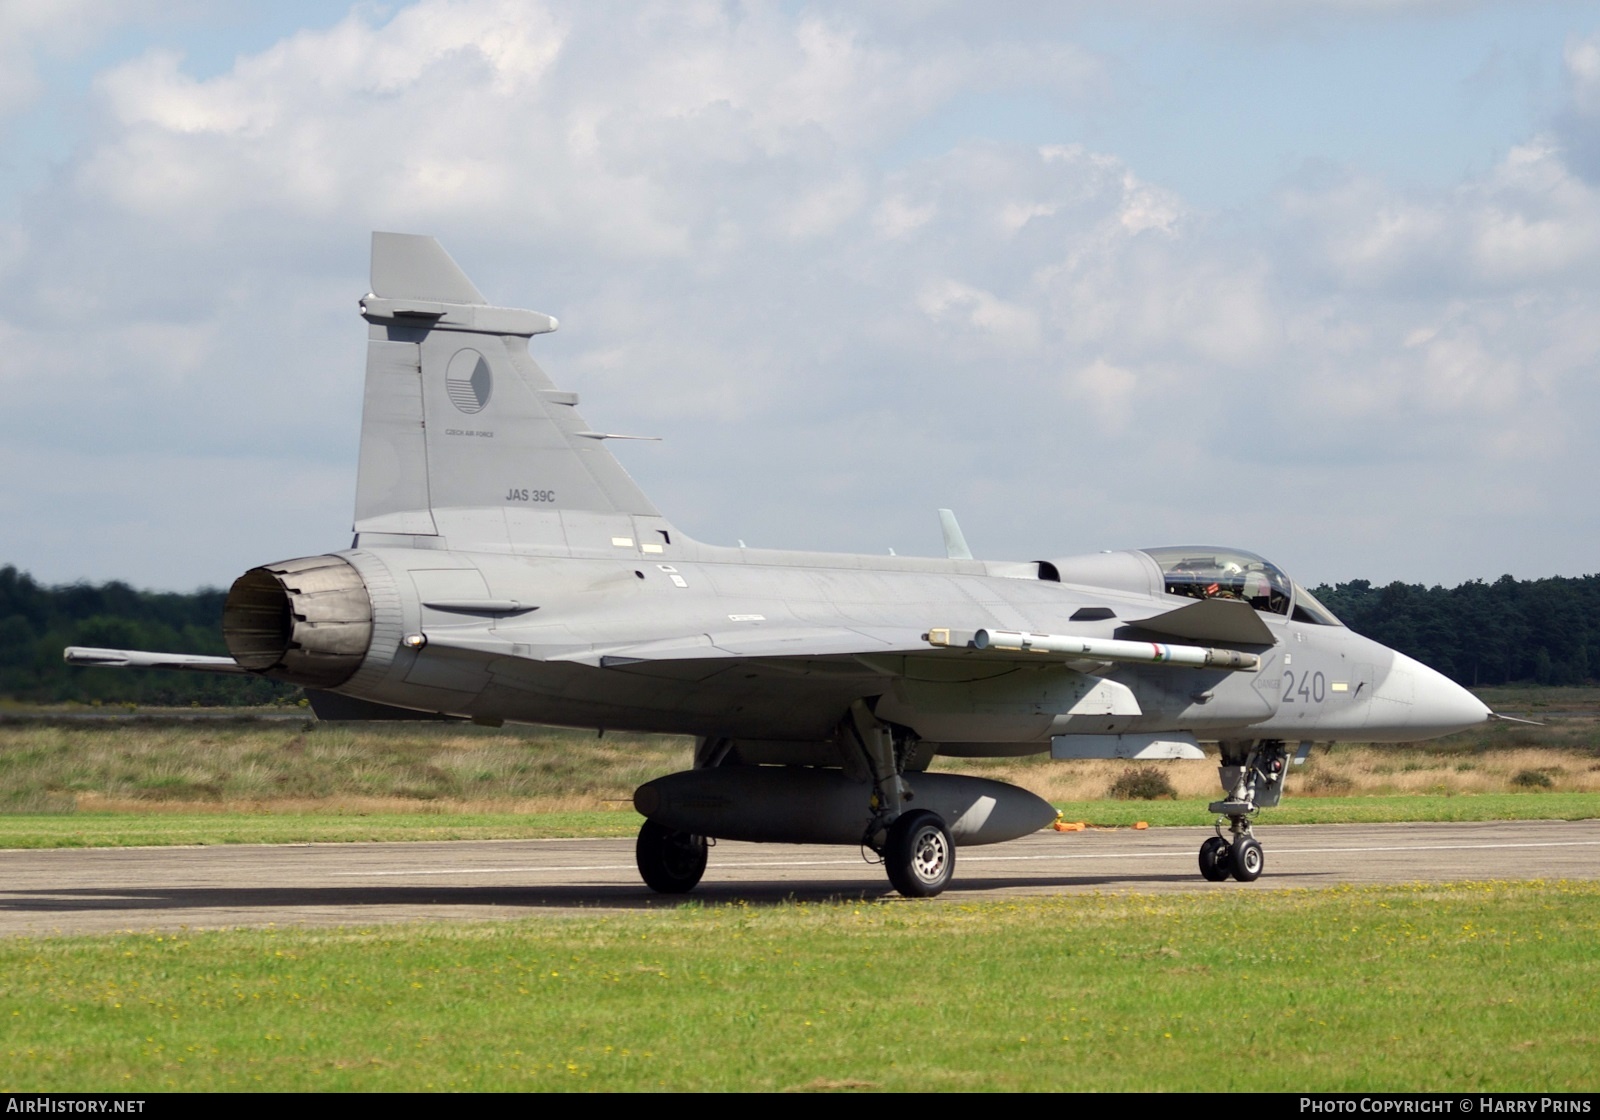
(103, 890)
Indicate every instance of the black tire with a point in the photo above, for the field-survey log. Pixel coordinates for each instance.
(670, 862)
(1216, 859)
(919, 854)
(1249, 861)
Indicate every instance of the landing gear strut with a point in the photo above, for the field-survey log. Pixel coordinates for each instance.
(1252, 777)
(915, 844)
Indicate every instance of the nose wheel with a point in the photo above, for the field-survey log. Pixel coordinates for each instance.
(1248, 860)
(1216, 859)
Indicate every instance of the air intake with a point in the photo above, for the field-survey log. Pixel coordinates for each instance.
(306, 621)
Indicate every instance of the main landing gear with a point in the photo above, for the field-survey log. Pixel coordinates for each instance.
(670, 862)
(864, 796)
(1252, 778)
(915, 844)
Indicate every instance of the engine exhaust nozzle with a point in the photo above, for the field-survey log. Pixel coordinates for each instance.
(306, 621)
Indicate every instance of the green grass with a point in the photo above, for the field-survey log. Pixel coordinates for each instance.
(138, 830)
(269, 826)
(1465, 987)
(1352, 810)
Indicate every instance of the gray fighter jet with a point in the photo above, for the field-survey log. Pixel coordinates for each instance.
(505, 567)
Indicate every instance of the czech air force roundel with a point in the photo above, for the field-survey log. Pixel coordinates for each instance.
(468, 381)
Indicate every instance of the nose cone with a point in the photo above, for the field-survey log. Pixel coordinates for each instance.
(1414, 702)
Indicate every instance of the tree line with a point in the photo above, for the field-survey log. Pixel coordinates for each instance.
(1544, 631)
(1540, 631)
(38, 622)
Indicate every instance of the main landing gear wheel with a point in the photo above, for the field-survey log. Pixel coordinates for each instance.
(919, 854)
(670, 862)
(1216, 859)
(1248, 860)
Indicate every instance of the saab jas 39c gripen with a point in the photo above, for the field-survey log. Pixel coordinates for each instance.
(505, 567)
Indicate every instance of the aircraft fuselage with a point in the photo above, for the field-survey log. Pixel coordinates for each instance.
(767, 645)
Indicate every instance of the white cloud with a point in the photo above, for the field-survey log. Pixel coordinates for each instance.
(1108, 391)
(31, 29)
(1530, 220)
(1582, 59)
(951, 301)
(1533, 219)
(897, 216)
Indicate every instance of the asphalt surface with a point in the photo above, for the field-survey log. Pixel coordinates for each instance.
(76, 891)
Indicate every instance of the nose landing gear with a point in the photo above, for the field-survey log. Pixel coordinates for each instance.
(1252, 777)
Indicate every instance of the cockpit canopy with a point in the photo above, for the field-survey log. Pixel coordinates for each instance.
(1229, 573)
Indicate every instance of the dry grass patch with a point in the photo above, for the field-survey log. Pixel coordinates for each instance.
(1342, 771)
(1084, 780)
(1339, 771)
(54, 766)
(161, 764)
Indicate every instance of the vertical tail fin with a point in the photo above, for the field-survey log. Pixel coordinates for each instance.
(462, 434)
(955, 542)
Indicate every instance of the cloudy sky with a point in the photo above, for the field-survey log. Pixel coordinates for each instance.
(1317, 278)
